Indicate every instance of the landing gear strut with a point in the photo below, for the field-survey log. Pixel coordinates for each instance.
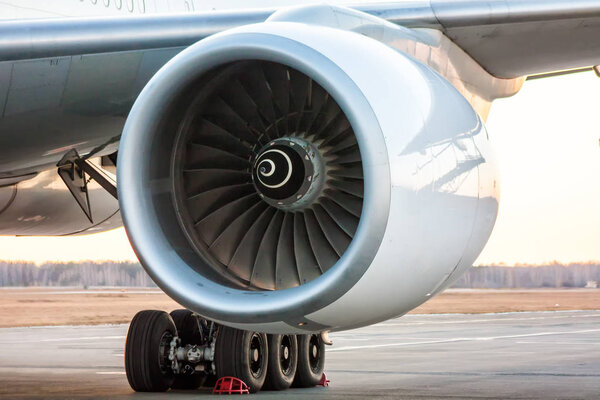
(182, 350)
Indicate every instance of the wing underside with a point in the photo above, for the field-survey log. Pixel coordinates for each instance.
(508, 38)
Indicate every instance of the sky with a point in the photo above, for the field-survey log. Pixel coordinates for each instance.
(547, 141)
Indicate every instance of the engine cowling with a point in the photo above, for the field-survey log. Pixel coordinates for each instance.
(284, 177)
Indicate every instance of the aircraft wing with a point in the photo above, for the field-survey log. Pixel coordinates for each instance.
(511, 38)
(508, 38)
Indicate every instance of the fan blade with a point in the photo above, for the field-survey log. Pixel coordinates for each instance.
(197, 181)
(279, 82)
(202, 204)
(263, 271)
(286, 273)
(199, 156)
(300, 89)
(350, 203)
(235, 95)
(324, 253)
(336, 237)
(224, 246)
(243, 259)
(211, 226)
(346, 142)
(352, 171)
(338, 132)
(345, 220)
(351, 155)
(318, 98)
(308, 267)
(213, 135)
(330, 114)
(220, 113)
(353, 187)
(253, 80)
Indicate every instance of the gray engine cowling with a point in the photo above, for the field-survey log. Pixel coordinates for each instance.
(283, 177)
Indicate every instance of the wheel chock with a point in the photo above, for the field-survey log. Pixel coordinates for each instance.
(324, 381)
(230, 385)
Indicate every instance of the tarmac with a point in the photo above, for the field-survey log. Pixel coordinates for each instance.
(529, 355)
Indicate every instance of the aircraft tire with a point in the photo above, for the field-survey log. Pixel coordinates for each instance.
(243, 355)
(283, 361)
(147, 365)
(311, 361)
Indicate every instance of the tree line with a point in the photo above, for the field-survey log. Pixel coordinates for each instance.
(85, 274)
(555, 275)
(81, 274)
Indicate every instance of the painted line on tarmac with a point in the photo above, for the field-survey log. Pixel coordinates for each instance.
(460, 339)
(90, 292)
(565, 343)
(447, 314)
(466, 321)
(81, 338)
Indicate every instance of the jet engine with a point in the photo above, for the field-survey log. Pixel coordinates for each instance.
(286, 177)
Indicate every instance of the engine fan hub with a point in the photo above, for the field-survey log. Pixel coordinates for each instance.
(287, 173)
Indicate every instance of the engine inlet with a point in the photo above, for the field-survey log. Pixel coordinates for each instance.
(270, 181)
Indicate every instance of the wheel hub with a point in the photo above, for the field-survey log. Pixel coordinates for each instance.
(256, 355)
(288, 172)
(285, 356)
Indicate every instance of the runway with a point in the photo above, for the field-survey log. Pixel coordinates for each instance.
(540, 355)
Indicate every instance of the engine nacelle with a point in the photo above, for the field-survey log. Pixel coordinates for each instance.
(285, 177)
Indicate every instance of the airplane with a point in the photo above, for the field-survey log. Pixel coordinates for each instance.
(282, 171)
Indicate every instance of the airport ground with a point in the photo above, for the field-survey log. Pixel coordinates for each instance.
(73, 306)
(526, 355)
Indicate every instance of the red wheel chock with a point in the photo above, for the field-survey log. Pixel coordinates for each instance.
(230, 385)
(324, 381)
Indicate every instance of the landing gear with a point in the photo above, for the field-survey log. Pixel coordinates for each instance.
(147, 348)
(244, 355)
(184, 351)
(311, 360)
(190, 330)
(283, 361)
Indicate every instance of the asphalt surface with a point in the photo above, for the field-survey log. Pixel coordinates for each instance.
(541, 355)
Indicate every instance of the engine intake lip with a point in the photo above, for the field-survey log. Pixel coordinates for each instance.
(145, 188)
